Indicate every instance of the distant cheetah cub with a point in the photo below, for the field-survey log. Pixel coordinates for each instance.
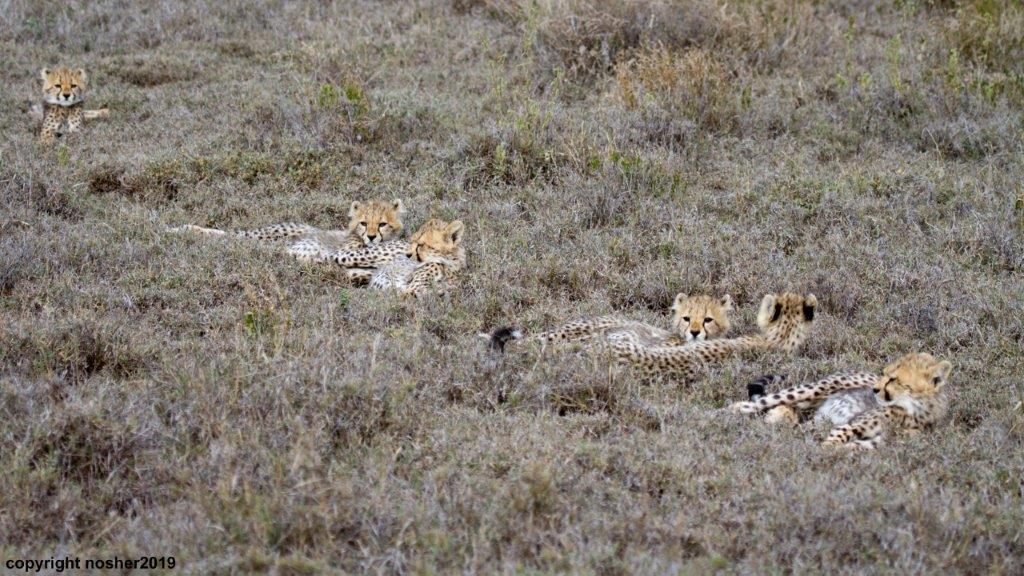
(371, 224)
(433, 259)
(694, 318)
(64, 103)
(909, 395)
(784, 322)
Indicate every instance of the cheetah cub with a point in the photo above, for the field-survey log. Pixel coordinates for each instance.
(909, 395)
(372, 224)
(63, 110)
(694, 318)
(784, 321)
(434, 256)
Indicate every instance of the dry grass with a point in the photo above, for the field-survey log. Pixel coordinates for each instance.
(211, 400)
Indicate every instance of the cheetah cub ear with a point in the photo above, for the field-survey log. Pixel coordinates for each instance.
(891, 369)
(941, 373)
(354, 207)
(769, 311)
(82, 78)
(726, 302)
(398, 205)
(454, 231)
(810, 303)
(43, 73)
(678, 302)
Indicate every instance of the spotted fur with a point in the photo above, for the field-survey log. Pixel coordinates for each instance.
(361, 262)
(909, 395)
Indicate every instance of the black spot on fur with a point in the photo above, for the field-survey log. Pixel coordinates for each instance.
(777, 313)
(808, 313)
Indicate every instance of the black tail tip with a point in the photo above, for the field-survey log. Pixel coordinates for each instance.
(759, 387)
(499, 337)
(755, 390)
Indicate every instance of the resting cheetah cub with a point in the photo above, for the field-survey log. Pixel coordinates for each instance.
(910, 395)
(694, 318)
(371, 224)
(784, 321)
(64, 102)
(434, 256)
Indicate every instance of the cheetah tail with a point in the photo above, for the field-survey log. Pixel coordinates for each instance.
(760, 387)
(499, 337)
(192, 228)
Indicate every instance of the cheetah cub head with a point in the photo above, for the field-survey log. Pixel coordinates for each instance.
(912, 381)
(701, 317)
(786, 319)
(63, 86)
(438, 241)
(374, 222)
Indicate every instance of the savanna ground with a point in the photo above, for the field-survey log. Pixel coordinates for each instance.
(211, 400)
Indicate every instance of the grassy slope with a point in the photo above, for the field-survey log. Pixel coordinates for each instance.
(210, 400)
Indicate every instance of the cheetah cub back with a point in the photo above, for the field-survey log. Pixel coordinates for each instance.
(369, 240)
